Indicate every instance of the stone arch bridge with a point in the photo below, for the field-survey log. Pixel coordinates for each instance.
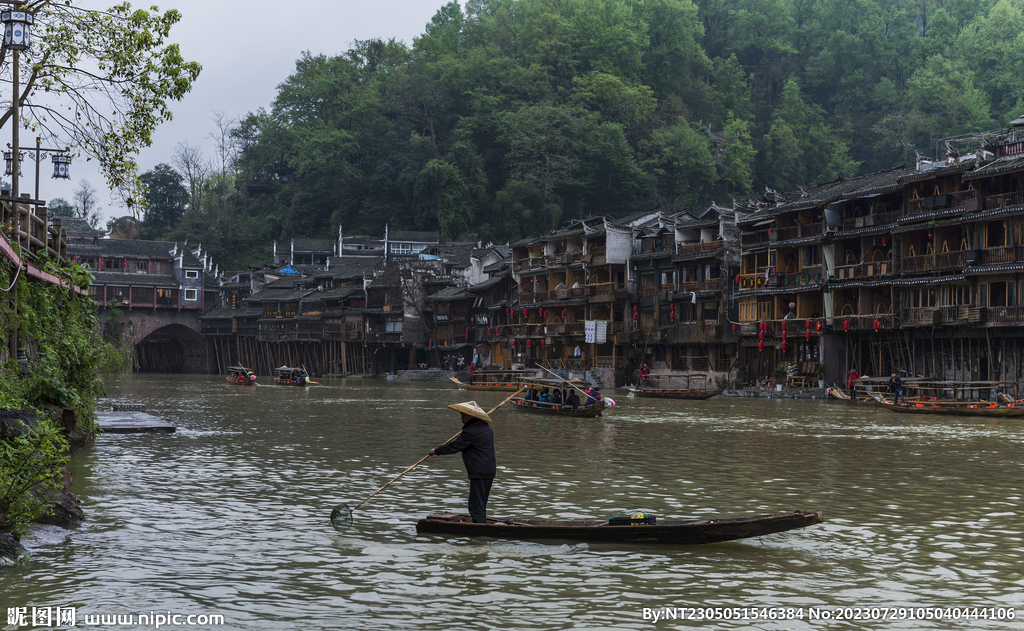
(165, 340)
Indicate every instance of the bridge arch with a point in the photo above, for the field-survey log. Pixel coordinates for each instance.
(164, 341)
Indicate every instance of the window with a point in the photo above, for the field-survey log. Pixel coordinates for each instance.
(393, 325)
(141, 267)
(191, 273)
(191, 294)
(401, 248)
(112, 264)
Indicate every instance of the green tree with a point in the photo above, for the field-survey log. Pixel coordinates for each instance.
(738, 156)
(167, 198)
(943, 93)
(116, 74)
(60, 207)
(543, 143)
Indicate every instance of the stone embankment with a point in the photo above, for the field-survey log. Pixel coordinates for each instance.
(65, 507)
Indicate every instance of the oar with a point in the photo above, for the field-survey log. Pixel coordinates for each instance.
(341, 516)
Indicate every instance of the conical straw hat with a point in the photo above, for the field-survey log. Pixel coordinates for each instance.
(471, 408)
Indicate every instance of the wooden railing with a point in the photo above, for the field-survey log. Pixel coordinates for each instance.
(939, 202)
(691, 249)
(879, 219)
(798, 232)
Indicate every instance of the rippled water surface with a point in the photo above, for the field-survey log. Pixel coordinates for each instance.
(230, 515)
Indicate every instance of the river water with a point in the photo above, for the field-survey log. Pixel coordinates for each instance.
(229, 516)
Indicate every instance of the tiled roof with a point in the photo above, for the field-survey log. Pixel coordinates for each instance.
(395, 236)
(450, 293)
(1001, 165)
(142, 280)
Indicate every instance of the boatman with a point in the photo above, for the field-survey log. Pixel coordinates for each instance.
(476, 442)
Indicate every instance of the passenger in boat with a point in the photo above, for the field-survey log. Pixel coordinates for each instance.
(573, 399)
(593, 396)
(896, 388)
(544, 396)
(556, 397)
(476, 442)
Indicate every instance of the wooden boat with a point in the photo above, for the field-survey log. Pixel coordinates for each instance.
(504, 380)
(241, 375)
(529, 402)
(956, 398)
(676, 387)
(681, 532)
(289, 376)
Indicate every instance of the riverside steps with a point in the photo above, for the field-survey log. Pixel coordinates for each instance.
(131, 419)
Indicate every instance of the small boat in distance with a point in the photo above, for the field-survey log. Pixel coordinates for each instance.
(955, 398)
(537, 390)
(241, 375)
(688, 386)
(678, 532)
(289, 376)
(504, 380)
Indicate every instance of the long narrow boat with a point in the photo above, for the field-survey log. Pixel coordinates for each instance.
(981, 408)
(241, 375)
(955, 398)
(680, 532)
(530, 402)
(676, 387)
(504, 380)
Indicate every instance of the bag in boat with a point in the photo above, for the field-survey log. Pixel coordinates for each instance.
(632, 518)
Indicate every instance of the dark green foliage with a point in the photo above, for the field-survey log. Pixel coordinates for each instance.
(507, 117)
(67, 359)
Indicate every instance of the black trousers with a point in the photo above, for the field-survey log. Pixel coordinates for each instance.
(479, 490)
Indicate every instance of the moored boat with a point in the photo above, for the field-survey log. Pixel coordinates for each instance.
(676, 387)
(679, 532)
(955, 398)
(499, 380)
(241, 375)
(290, 376)
(539, 392)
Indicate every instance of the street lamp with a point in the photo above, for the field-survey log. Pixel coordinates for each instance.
(9, 161)
(61, 167)
(17, 28)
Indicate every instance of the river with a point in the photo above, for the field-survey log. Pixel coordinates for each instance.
(229, 516)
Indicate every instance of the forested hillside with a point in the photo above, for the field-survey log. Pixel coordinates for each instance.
(512, 116)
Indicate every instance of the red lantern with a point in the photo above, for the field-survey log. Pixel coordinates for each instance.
(877, 324)
(783, 347)
(885, 240)
(634, 317)
(737, 279)
(846, 325)
(635, 308)
(784, 334)
(808, 325)
(529, 342)
(563, 313)
(760, 335)
(735, 328)
(807, 335)
(671, 315)
(817, 326)
(542, 343)
(512, 343)
(760, 346)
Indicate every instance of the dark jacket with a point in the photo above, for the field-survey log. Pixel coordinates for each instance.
(476, 442)
(895, 384)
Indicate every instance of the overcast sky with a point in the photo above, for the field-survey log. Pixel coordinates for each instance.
(247, 48)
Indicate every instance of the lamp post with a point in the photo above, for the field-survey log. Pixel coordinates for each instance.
(61, 162)
(17, 25)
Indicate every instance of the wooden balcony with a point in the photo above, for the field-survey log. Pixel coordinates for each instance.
(754, 238)
(934, 262)
(880, 219)
(798, 232)
(960, 199)
(1004, 200)
(1005, 315)
(694, 250)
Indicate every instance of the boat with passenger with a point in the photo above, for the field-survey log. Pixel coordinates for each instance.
(291, 376)
(954, 398)
(565, 398)
(241, 375)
